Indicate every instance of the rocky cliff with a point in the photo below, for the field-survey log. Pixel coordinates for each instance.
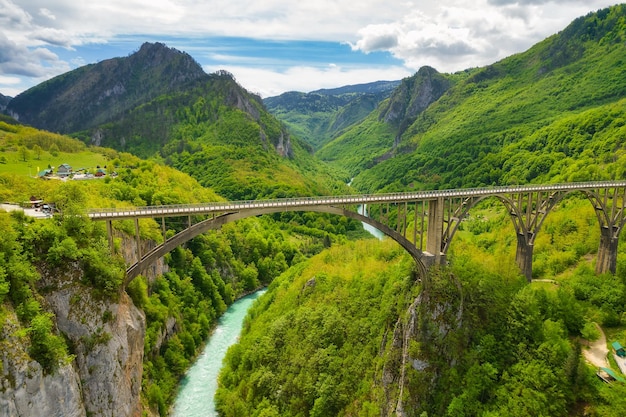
(412, 97)
(102, 377)
(426, 339)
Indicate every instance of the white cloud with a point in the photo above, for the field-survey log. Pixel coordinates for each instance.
(47, 13)
(449, 35)
(462, 34)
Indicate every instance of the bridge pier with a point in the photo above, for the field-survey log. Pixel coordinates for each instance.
(607, 252)
(434, 237)
(524, 256)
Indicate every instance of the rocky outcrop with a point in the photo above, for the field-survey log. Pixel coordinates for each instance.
(422, 343)
(101, 377)
(108, 339)
(25, 390)
(412, 97)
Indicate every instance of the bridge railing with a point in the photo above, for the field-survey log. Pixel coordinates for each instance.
(292, 202)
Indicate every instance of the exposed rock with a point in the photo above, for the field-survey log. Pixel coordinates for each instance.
(413, 96)
(411, 375)
(108, 340)
(284, 145)
(24, 388)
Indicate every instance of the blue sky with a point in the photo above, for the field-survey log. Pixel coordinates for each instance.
(277, 45)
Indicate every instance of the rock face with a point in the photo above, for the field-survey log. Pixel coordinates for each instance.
(108, 340)
(25, 390)
(413, 96)
(106, 337)
(434, 323)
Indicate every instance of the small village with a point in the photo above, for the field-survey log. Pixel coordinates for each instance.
(65, 172)
(37, 207)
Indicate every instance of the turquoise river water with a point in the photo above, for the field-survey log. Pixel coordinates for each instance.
(195, 398)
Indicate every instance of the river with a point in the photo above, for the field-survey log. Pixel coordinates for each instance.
(195, 397)
(361, 209)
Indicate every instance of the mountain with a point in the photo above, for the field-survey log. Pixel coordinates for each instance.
(158, 102)
(4, 100)
(100, 93)
(376, 136)
(319, 116)
(552, 113)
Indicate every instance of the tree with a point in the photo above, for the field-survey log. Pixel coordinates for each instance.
(23, 153)
(46, 348)
(54, 150)
(37, 151)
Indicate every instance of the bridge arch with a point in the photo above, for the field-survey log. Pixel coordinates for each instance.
(422, 259)
(528, 214)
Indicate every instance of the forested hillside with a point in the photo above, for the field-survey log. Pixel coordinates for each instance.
(471, 339)
(46, 259)
(159, 103)
(552, 113)
(96, 94)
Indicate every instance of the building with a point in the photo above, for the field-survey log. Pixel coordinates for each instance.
(618, 349)
(64, 170)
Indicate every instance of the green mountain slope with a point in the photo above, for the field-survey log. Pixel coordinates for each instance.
(98, 93)
(158, 103)
(69, 254)
(560, 96)
(375, 139)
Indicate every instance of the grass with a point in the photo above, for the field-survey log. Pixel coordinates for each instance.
(32, 166)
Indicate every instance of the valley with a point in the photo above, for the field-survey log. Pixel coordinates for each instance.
(349, 324)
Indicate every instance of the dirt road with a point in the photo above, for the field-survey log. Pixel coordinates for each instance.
(596, 353)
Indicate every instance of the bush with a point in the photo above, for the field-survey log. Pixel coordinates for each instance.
(46, 348)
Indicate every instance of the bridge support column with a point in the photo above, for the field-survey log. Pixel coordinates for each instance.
(435, 230)
(137, 239)
(110, 235)
(524, 256)
(607, 252)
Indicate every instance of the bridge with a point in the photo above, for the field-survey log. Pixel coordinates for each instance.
(422, 222)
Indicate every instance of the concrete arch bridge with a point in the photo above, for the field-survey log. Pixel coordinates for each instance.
(422, 222)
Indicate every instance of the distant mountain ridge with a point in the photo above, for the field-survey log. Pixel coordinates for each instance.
(319, 116)
(365, 88)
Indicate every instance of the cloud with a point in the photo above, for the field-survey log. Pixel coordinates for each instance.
(377, 38)
(450, 35)
(456, 35)
(47, 13)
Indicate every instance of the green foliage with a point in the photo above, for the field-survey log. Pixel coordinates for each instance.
(46, 348)
(312, 347)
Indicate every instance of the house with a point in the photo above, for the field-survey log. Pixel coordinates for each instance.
(64, 170)
(33, 202)
(45, 173)
(608, 376)
(100, 172)
(618, 349)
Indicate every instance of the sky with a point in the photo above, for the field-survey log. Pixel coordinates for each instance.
(274, 46)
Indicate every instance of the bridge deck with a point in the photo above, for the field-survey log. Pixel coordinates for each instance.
(302, 202)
